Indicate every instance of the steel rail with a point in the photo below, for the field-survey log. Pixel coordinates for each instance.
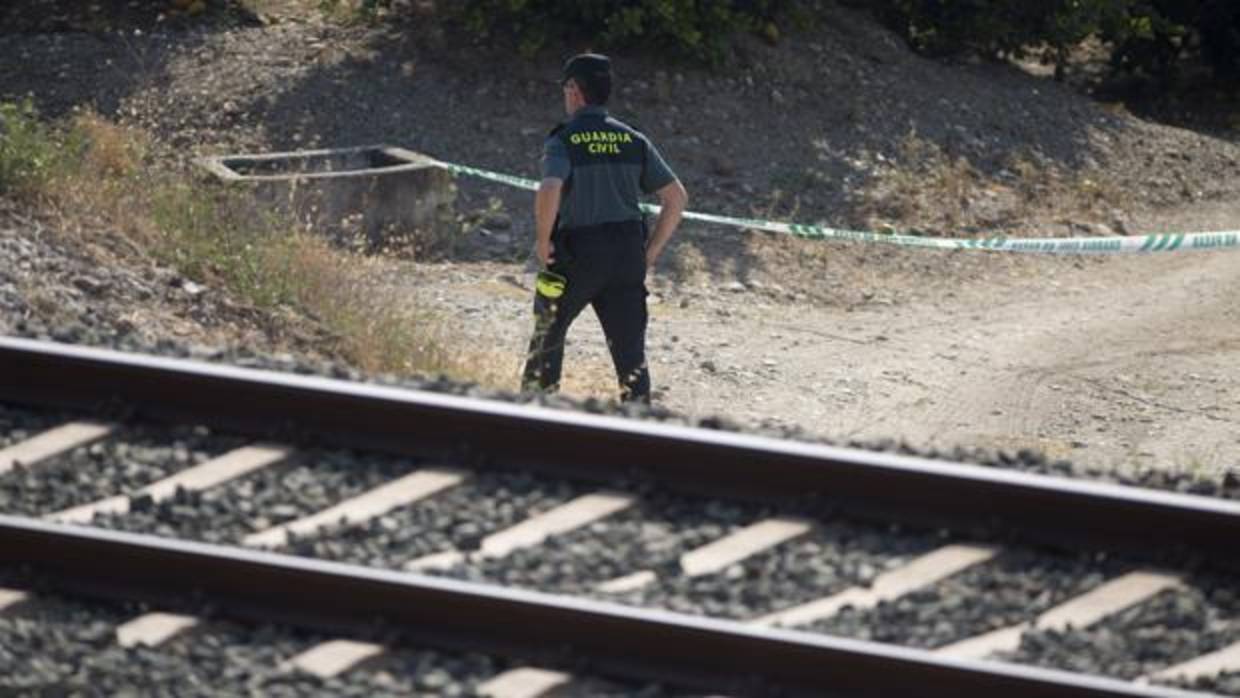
(1060, 511)
(589, 636)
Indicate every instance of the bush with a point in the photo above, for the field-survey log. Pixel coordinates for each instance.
(696, 29)
(88, 171)
(700, 29)
(1216, 25)
(1001, 28)
(1148, 36)
(28, 149)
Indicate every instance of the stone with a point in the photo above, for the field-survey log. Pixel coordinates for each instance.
(372, 189)
(90, 284)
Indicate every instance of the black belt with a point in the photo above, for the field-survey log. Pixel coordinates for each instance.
(636, 225)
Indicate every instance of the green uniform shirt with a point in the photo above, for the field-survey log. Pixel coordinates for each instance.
(605, 165)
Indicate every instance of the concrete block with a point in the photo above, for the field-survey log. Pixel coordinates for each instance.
(373, 192)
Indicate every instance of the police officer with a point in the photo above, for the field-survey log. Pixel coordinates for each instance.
(591, 236)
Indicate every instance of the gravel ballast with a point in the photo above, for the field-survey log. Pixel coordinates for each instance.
(126, 461)
(455, 519)
(660, 528)
(18, 424)
(652, 534)
(311, 481)
(1010, 589)
(829, 559)
(1225, 485)
(1224, 684)
(1173, 627)
(55, 646)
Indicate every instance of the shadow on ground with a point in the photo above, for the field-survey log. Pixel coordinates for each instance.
(66, 54)
(795, 130)
(803, 130)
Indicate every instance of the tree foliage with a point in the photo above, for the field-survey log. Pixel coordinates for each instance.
(1146, 36)
(695, 29)
(698, 28)
(1150, 37)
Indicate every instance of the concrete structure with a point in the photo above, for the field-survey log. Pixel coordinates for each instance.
(358, 195)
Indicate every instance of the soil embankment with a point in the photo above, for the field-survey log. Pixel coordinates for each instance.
(1111, 363)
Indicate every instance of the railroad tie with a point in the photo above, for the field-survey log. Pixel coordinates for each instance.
(231, 465)
(918, 573)
(324, 660)
(371, 504)
(334, 657)
(524, 682)
(150, 629)
(571, 515)
(11, 598)
(1079, 612)
(53, 442)
(1225, 660)
(153, 629)
(719, 554)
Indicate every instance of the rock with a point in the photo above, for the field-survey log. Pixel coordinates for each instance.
(90, 284)
(721, 165)
(498, 220)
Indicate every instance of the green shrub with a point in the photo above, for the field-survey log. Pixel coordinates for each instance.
(88, 174)
(999, 28)
(1219, 25)
(28, 148)
(695, 29)
(1147, 36)
(1169, 31)
(207, 232)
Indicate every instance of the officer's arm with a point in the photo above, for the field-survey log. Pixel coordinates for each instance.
(673, 198)
(546, 205)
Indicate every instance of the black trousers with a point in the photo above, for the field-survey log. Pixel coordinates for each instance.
(606, 268)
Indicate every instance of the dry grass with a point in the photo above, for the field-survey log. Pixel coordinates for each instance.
(1038, 186)
(926, 189)
(98, 179)
(377, 331)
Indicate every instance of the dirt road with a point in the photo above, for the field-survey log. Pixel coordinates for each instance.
(1125, 362)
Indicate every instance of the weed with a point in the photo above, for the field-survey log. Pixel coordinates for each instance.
(925, 185)
(88, 169)
(351, 11)
(928, 188)
(28, 149)
(1038, 185)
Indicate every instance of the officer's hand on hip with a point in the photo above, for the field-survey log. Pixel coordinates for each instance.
(545, 250)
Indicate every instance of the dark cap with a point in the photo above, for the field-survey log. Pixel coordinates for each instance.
(587, 68)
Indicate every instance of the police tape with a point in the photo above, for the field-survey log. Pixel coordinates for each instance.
(1134, 244)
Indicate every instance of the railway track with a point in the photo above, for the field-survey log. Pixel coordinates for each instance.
(766, 544)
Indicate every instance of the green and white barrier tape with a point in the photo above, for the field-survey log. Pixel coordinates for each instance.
(1135, 244)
